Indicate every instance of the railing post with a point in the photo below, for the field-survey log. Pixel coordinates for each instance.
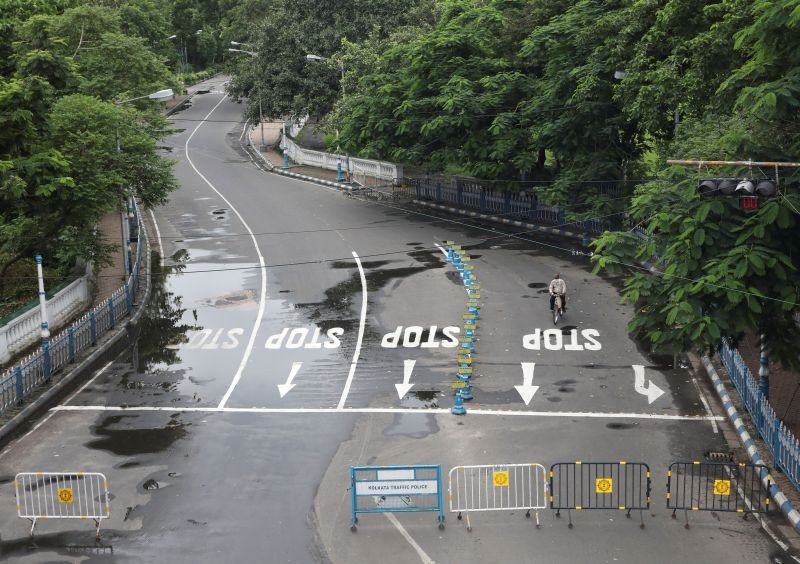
(586, 236)
(46, 359)
(439, 192)
(71, 344)
(776, 443)
(20, 387)
(93, 327)
(110, 303)
(128, 300)
(482, 200)
(506, 202)
(460, 194)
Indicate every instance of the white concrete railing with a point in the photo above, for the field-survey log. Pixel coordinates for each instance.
(376, 169)
(297, 126)
(25, 329)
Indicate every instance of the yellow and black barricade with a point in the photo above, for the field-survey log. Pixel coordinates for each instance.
(717, 486)
(622, 486)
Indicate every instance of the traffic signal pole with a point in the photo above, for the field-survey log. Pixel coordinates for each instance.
(763, 369)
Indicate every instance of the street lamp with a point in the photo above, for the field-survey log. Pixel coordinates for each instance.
(312, 57)
(126, 235)
(260, 113)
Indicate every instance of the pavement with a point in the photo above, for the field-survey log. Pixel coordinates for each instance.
(282, 318)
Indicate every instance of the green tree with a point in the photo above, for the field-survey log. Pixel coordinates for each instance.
(718, 270)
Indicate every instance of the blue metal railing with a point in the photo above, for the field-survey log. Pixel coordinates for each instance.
(18, 382)
(470, 194)
(779, 439)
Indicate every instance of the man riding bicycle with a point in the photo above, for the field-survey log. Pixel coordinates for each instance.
(558, 287)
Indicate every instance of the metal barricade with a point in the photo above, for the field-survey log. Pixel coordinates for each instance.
(62, 495)
(717, 486)
(623, 486)
(497, 487)
(396, 489)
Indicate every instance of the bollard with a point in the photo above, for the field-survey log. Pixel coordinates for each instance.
(466, 391)
(93, 327)
(458, 407)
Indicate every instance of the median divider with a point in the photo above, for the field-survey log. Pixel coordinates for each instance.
(462, 385)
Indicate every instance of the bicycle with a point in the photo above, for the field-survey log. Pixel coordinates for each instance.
(558, 308)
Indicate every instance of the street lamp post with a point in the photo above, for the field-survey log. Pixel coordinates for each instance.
(312, 57)
(126, 235)
(260, 113)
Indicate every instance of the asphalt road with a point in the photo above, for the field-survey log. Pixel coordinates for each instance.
(208, 459)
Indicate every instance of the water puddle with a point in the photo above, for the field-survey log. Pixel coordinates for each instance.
(119, 436)
(414, 425)
(421, 399)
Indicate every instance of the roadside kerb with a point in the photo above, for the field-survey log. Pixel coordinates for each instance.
(503, 220)
(780, 498)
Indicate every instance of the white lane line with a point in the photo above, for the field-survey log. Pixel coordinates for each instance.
(52, 412)
(361, 324)
(421, 553)
(158, 235)
(706, 406)
(244, 128)
(86, 385)
(263, 300)
(441, 249)
(421, 410)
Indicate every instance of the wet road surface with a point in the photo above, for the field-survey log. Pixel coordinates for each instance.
(228, 431)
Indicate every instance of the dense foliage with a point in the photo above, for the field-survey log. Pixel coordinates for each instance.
(561, 92)
(68, 153)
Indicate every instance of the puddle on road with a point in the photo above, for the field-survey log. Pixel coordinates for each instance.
(421, 399)
(121, 437)
(537, 285)
(414, 425)
(620, 425)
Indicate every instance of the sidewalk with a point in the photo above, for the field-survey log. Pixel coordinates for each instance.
(270, 150)
(109, 278)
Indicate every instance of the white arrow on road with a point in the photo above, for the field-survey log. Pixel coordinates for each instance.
(408, 368)
(527, 389)
(652, 391)
(284, 389)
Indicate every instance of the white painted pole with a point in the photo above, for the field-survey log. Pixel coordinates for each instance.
(42, 299)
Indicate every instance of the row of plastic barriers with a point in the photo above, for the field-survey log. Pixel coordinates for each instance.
(567, 486)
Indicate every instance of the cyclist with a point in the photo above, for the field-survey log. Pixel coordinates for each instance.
(558, 287)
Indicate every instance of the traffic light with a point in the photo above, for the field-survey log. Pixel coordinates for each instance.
(748, 190)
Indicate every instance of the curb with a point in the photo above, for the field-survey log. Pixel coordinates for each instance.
(105, 351)
(505, 220)
(780, 498)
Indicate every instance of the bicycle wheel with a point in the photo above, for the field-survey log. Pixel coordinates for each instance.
(556, 310)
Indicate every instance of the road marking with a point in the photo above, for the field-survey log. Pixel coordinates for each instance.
(52, 412)
(706, 405)
(652, 392)
(284, 389)
(390, 410)
(158, 236)
(408, 368)
(244, 129)
(441, 249)
(421, 553)
(527, 389)
(361, 324)
(262, 301)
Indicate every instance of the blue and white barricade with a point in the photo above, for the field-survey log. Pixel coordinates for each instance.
(396, 489)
